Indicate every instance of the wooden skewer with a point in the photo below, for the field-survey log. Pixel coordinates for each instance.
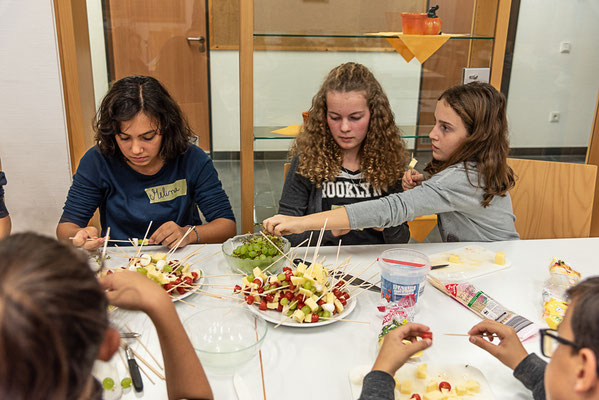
(207, 257)
(346, 320)
(103, 256)
(308, 246)
(146, 374)
(116, 246)
(338, 249)
(176, 246)
(277, 247)
(109, 240)
(123, 360)
(283, 255)
(182, 301)
(261, 365)
(144, 239)
(364, 284)
(221, 275)
(363, 290)
(145, 348)
(319, 240)
(356, 276)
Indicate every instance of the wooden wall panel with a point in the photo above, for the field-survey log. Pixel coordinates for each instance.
(593, 159)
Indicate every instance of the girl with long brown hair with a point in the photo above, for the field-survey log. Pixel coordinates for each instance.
(468, 183)
(349, 151)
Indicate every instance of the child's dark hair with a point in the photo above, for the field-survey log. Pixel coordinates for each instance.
(483, 111)
(134, 94)
(383, 154)
(585, 316)
(52, 319)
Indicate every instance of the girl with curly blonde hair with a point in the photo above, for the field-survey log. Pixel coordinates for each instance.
(349, 151)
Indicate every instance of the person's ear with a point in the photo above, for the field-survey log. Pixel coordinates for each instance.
(586, 378)
(109, 345)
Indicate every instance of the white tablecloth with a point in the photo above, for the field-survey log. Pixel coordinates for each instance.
(314, 362)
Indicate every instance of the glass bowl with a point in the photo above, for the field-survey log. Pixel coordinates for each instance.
(247, 265)
(225, 338)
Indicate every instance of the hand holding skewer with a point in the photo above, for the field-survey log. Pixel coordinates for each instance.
(509, 350)
(88, 239)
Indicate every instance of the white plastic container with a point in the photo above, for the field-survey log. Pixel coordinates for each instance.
(403, 273)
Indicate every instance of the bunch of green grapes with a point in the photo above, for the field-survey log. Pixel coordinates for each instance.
(258, 248)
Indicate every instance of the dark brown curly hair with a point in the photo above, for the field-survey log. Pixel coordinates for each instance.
(383, 155)
(53, 318)
(482, 110)
(134, 94)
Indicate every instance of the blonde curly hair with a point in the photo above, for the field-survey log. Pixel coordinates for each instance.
(383, 154)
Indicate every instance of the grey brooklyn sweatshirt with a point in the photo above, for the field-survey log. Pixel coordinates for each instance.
(452, 194)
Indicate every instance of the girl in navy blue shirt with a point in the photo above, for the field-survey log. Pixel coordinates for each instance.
(144, 168)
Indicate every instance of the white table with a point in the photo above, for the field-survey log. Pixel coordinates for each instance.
(291, 356)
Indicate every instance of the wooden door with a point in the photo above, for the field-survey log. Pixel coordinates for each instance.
(159, 38)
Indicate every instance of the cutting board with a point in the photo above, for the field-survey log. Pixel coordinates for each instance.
(474, 261)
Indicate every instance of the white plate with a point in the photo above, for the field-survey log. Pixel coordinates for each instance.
(275, 316)
(455, 374)
(197, 285)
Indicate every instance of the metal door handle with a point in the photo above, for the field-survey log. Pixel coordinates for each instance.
(200, 39)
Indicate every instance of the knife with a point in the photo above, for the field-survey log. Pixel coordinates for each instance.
(133, 369)
(243, 393)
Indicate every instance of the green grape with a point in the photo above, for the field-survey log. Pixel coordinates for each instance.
(320, 313)
(284, 301)
(306, 310)
(126, 382)
(308, 285)
(326, 314)
(142, 270)
(300, 274)
(167, 268)
(293, 305)
(262, 257)
(284, 283)
(267, 287)
(252, 254)
(108, 383)
(251, 278)
(281, 277)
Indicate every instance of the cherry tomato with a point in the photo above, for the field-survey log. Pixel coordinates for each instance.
(236, 289)
(320, 302)
(178, 281)
(291, 286)
(343, 301)
(345, 295)
(427, 335)
(416, 396)
(300, 306)
(270, 297)
(287, 269)
(299, 297)
(280, 307)
(263, 305)
(109, 272)
(181, 290)
(289, 295)
(257, 282)
(444, 385)
(275, 284)
(260, 290)
(168, 286)
(337, 292)
(195, 275)
(249, 299)
(315, 317)
(340, 283)
(188, 280)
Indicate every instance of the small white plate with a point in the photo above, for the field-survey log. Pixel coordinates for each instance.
(275, 316)
(455, 374)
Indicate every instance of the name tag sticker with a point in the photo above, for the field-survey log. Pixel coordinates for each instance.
(158, 194)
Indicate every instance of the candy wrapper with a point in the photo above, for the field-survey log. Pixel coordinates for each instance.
(486, 307)
(555, 302)
(396, 315)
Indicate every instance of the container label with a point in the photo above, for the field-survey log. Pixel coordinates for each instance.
(393, 292)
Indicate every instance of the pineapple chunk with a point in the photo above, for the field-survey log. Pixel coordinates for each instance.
(500, 258)
(406, 386)
(421, 371)
(338, 306)
(299, 316)
(454, 258)
(472, 386)
(297, 280)
(432, 396)
(432, 386)
(312, 304)
(272, 306)
(158, 256)
(301, 268)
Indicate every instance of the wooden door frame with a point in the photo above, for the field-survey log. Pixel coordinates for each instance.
(593, 159)
(76, 73)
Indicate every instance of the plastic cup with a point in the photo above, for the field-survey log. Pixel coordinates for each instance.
(403, 273)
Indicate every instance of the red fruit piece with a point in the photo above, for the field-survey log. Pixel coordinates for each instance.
(427, 335)
(315, 317)
(270, 298)
(195, 275)
(280, 307)
(260, 290)
(416, 396)
(444, 385)
(249, 299)
(289, 295)
(181, 290)
(263, 305)
(236, 289)
(168, 286)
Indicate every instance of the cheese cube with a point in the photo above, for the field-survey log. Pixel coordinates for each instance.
(432, 386)
(460, 389)
(472, 386)
(432, 396)
(406, 386)
(421, 371)
(158, 256)
(301, 268)
(453, 258)
(244, 281)
(308, 318)
(330, 298)
(500, 258)
(297, 280)
(312, 304)
(397, 384)
(258, 273)
(412, 163)
(298, 315)
(338, 306)
(305, 292)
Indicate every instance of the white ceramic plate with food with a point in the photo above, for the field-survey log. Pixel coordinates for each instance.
(457, 375)
(196, 285)
(275, 317)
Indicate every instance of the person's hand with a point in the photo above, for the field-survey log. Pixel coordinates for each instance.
(134, 291)
(509, 350)
(170, 233)
(410, 179)
(394, 353)
(89, 232)
(283, 225)
(340, 232)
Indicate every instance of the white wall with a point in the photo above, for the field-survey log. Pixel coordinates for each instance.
(97, 47)
(33, 136)
(286, 81)
(544, 80)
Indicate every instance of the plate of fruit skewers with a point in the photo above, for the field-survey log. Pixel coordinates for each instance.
(304, 297)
